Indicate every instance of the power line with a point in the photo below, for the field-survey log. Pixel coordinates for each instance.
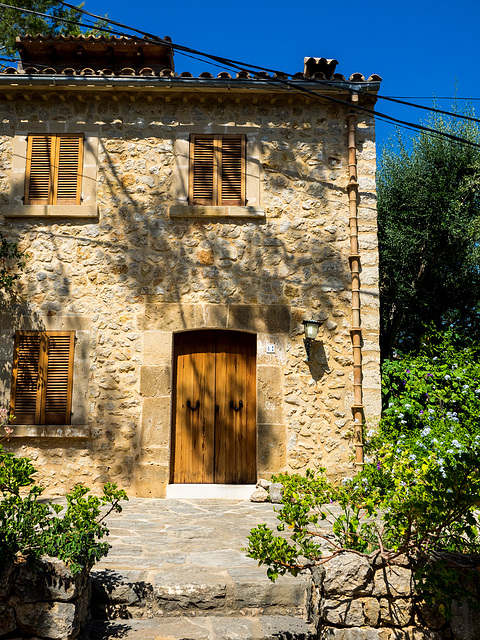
(245, 67)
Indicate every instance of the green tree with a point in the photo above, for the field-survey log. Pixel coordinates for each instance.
(429, 223)
(14, 22)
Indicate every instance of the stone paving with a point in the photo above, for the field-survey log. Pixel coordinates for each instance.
(177, 558)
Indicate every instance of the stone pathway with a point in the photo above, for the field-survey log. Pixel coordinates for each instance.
(176, 570)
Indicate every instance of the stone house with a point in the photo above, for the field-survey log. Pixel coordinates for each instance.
(179, 230)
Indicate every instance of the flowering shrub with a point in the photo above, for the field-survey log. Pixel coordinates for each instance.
(438, 386)
(418, 491)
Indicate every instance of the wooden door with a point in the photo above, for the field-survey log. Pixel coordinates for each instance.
(214, 412)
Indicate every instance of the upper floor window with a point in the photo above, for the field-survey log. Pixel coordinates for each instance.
(42, 377)
(54, 169)
(217, 170)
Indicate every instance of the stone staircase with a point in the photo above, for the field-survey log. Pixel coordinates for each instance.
(190, 580)
(195, 605)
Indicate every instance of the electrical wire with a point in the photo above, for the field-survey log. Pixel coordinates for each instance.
(193, 53)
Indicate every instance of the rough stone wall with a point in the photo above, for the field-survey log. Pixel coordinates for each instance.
(44, 601)
(129, 278)
(361, 599)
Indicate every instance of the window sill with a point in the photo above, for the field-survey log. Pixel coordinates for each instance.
(50, 431)
(49, 211)
(199, 211)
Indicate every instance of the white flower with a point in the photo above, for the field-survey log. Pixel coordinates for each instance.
(446, 377)
(408, 406)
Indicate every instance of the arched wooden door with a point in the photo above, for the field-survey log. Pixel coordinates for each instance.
(214, 408)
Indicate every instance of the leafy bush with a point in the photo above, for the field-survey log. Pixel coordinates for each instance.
(30, 528)
(420, 486)
(12, 261)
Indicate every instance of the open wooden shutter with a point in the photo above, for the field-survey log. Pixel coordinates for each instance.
(25, 380)
(203, 173)
(232, 191)
(40, 170)
(42, 377)
(54, 169)
(69, 154)
(59, 376)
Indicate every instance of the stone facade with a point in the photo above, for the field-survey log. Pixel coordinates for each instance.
(135, 264)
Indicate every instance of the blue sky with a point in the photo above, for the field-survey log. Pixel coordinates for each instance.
(420, 49)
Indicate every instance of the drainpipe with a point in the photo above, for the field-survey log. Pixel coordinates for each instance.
(354, 259)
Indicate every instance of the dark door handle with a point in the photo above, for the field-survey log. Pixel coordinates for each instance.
(189, 405)
(232, 406)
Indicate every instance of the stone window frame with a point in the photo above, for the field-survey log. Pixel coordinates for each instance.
(181, 206)
(78, 427)
(34, 350)
(88, 207)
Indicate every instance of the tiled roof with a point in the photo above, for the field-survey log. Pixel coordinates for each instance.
(168, 73)
(103, 56)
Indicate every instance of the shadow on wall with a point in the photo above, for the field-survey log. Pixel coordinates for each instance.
(120, 271)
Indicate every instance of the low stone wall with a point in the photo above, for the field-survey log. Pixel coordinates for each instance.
(44, 601)
(358, 599)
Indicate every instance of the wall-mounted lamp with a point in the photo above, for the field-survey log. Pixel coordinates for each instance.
(311, 330)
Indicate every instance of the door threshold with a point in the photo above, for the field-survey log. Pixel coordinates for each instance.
(210, 491)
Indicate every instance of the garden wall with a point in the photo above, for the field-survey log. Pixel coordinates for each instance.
(362, 599)
(45, 601)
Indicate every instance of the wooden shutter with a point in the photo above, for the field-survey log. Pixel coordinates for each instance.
(232, 191)
(42, 377)
(54, 169)
(217, 170)
(69, 154)
(39, 172)
(25, 380)
(59, 376)
(203, 172)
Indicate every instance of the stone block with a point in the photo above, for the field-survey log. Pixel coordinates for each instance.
(157, 347)
(215, 316)
(270, 394)
(55, 620)
(357, 612)
(346, 574)
(155, 381)
(392, 581)
(271, 454)
(151, 480)
(465, 622)
(259, 495)
(431, 615)
(274, 318)
(155, 422)
(8, 574)
(7, 619)
(397, 612)
(173, 317)
(275, 491)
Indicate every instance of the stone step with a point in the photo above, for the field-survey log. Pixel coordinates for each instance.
(192, 591)
(203, 628)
